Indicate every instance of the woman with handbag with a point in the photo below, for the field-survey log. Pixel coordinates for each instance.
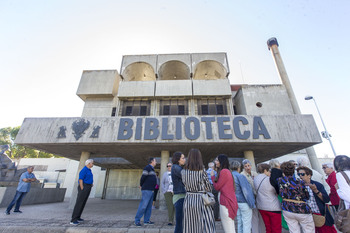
(224, 184)
(342, 217)
(267, 201)
(198, 217)
(318, 198)
(294, 207)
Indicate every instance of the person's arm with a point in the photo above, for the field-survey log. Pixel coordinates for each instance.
(344, 189)
(163, 182)
(247, 191)
(81, 184)
(222, 180)
(207, 185)
(145, 173)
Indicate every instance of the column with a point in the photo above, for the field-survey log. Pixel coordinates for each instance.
(248, 154)
(84, 156)
(163, 168)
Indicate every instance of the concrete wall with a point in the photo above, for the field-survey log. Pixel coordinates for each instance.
(220, 87)
(173, 88)
(65, 179)
(98, 83)
(99, 107)
(190, 59)
(35, 195)
(136, 89)
(124, 184)
(273, 99)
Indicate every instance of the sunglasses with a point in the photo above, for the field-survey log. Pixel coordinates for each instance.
(324, 167)
(169, 166)
(301, 174)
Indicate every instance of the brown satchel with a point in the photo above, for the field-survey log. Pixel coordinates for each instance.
(319, 220)
(342, 216)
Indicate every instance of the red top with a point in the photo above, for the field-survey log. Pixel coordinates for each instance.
(227, 192)
(333, 195)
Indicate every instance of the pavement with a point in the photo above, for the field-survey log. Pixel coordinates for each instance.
(100, 216)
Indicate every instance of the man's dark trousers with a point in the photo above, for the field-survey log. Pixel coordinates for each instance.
(82, 197)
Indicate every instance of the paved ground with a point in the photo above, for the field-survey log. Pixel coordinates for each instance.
(100, 216)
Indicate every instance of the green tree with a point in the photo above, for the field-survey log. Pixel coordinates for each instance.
(8, 136)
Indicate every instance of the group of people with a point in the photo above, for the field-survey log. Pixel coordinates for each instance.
(289, 195)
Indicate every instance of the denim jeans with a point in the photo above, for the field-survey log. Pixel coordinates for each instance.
(16, 200)
(145, 207)
(244, 218)
(179, 205)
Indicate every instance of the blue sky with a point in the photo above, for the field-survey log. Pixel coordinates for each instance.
(45, 46)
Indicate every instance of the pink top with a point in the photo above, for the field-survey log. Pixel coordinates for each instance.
(227, 192)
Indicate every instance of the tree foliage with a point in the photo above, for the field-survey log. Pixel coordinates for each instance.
(8, 136)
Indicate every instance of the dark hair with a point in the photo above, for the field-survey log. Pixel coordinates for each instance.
(224, 164)
(176, 157)
(288, 168)
(150, 160)
(307, 170)
(262, 167)
(194, 161)
(341, 163)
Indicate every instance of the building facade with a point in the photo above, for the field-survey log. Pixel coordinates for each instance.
(159, 104)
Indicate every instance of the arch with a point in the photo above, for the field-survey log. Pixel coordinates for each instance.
(209, 70)
(139, 71)
(174, 70)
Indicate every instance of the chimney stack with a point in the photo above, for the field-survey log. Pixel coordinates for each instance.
(273, 47)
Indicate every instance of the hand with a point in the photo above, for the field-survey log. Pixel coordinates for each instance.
(336, 186)
(313, 187)
(212, 173)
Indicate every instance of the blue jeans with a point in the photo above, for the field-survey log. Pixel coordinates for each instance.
(179, 205)
(244, 218)
(16, 200)
(145, 207)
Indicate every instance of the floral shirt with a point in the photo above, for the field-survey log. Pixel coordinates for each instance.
(294, 189)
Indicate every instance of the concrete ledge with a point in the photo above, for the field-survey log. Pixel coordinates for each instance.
(35, 195)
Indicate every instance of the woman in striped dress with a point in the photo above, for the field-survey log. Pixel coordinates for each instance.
(198, 218)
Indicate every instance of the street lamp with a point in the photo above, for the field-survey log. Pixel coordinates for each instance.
(325, 133)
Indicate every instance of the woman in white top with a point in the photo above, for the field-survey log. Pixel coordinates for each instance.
(267, 201)
(342, 163)
(167, 190)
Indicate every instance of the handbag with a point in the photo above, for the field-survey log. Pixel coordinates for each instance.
(319, 220)
(342, 217)
(208, 198)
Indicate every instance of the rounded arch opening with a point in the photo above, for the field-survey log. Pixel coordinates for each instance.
(209, 70)
(139, 71)
(174, 70)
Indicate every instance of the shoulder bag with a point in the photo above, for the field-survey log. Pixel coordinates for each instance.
(342, 217)
(320, 220)
(208, 197)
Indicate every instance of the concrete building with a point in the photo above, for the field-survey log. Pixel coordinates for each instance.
(159, 104)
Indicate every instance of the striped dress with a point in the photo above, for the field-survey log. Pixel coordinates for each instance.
(197, 218)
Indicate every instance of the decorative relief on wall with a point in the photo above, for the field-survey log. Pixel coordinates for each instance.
(62, 132)
(79, 128)
(95, 132)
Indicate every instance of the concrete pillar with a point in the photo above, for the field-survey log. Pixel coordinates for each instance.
(248, 154)
(273, 47)
(163, 168)
(84, 156)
